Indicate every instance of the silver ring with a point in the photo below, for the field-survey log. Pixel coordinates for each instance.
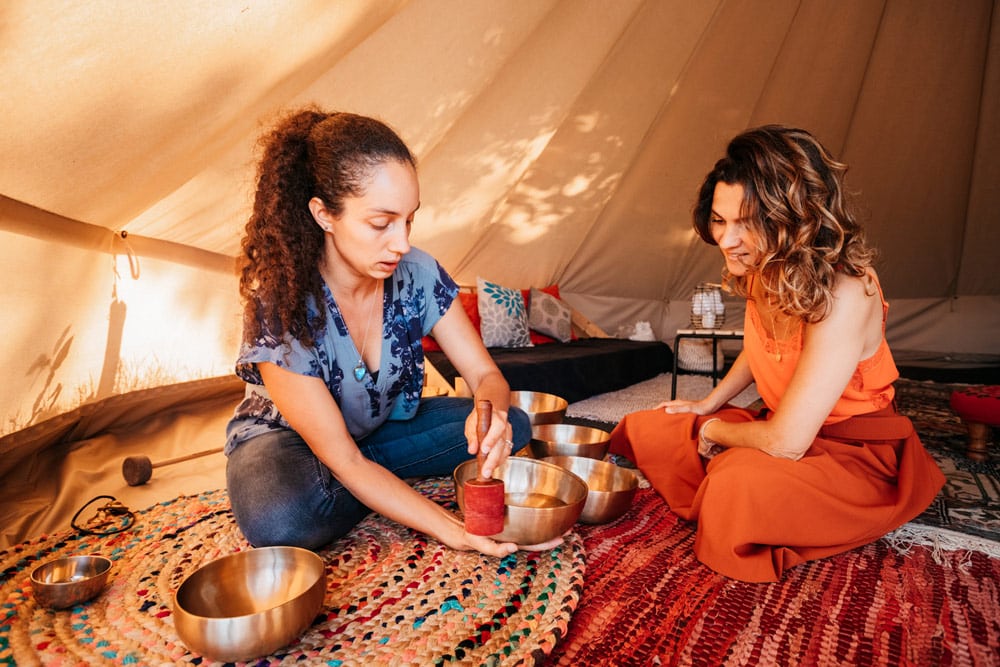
(510, 445)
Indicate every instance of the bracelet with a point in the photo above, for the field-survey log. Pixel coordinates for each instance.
(706, 444)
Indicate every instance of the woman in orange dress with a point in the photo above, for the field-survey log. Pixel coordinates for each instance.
(828, 465)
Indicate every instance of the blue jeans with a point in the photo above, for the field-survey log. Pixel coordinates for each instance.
(282, 494)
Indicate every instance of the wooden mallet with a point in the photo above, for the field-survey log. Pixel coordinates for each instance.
(138, 469)
(484, 496)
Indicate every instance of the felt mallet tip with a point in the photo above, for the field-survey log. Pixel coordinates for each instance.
(484, 497)
(137, 470)
(484, 506)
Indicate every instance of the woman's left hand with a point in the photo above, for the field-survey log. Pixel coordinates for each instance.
(491, 547)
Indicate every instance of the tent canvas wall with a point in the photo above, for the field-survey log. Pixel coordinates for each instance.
(559, 141)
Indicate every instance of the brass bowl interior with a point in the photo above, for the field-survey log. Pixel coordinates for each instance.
(569, 440)
(65, 582)
(541, 408)
(542, 500)
(610, 488)
(251, 603)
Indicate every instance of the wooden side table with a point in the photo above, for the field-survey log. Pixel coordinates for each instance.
(715, 335)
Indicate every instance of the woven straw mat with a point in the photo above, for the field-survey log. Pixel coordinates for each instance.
(393, 595)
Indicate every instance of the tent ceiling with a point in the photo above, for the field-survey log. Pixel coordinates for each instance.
(558, 141)
(545, 129)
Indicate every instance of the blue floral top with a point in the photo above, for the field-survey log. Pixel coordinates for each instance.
(416, 296)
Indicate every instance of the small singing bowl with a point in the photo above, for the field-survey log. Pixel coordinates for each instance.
(251, 603)
(65, 582)
(542, 500)
(541, 408)
(569, 440)
(611, 488)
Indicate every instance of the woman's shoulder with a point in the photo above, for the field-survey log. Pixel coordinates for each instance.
(856, 289)
(418, 256)
(417, 262)
(857, 302)
(420, 267)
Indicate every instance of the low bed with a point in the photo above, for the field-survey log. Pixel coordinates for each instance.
(576, 369)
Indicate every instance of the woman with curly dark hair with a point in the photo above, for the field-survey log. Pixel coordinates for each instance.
(336, 303)
(828, 465)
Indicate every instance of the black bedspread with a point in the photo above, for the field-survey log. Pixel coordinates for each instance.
(575, 370)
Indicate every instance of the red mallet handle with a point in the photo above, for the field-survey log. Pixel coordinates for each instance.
(484, 497)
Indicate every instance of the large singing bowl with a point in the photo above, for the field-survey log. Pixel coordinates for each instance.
(541, 408)
(542, 500)
(249, 604)
(610, 488)
(569, 440)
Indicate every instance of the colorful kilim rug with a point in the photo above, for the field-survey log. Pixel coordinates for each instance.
(970, 501)
(393, 596)
(648, 601)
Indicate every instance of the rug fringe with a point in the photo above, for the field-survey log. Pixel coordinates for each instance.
(940, 540)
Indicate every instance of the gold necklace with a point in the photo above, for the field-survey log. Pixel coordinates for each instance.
(361, 370)
(774, 337)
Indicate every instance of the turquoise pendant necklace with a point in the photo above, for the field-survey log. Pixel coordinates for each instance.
(361, 370)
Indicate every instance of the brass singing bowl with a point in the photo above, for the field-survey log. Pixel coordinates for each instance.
(251, 603)
(541, 408)
(569, 440)
(610, 488)
(65, 582)
(542, 500)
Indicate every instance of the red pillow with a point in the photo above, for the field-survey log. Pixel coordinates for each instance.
(470, 302)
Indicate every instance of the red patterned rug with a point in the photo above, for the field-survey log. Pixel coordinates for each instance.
(647, 601)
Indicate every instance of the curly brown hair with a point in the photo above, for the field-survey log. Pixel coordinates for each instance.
(795, 205)
(308, 153)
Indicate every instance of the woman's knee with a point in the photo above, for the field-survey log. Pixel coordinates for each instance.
(520, 425)
(278, 493)
(279, 525)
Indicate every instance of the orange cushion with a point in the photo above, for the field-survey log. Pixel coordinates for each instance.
(979, 404)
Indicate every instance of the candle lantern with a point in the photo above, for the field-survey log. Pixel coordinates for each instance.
(707, 309)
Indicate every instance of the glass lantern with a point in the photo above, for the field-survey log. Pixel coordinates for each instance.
(707, 309)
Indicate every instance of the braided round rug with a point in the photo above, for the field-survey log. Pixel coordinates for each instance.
(393, 595)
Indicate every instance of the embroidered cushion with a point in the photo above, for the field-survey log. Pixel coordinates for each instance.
(979, 404)
(550, 316)
(503, 317)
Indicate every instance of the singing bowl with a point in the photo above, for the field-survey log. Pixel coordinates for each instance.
(610, 488)
(249, 604)
(569, 440)
(542, 501)
(65, 582)
(541, 408)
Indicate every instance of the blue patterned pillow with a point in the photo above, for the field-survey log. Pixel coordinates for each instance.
(504, 320)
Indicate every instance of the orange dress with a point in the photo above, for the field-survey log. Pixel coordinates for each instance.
(864, 475)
